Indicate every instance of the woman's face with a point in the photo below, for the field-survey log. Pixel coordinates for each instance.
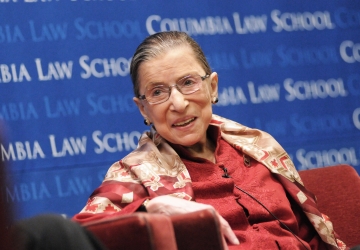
(182, 119)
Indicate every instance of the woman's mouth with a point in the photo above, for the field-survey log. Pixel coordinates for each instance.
(184, 123)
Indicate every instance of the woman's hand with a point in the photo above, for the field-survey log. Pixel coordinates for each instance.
(171, 205)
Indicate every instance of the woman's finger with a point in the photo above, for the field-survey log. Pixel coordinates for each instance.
(224, 243)
(228, 232)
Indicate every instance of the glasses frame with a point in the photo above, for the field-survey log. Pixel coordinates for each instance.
(143, 97)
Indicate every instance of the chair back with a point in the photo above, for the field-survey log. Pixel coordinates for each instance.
(337, 189)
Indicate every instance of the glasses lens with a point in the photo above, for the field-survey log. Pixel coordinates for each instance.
(189, 84)
(157, 93)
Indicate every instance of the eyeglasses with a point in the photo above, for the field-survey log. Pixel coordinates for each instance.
(160, 93)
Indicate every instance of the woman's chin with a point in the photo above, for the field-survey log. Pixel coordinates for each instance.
(187, 141)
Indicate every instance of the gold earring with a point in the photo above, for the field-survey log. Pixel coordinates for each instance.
(147, 122)
(214, 100)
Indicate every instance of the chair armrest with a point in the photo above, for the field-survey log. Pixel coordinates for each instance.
(135, 231)
(198, 230)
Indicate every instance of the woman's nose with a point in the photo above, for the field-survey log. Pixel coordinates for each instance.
(177, 100)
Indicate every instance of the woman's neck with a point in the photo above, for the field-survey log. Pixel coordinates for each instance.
(204, 150)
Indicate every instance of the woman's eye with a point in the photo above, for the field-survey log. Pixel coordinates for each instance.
(188, 82)
(156, 91)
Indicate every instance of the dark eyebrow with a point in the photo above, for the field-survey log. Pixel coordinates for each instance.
(151, 84)
(187, 75)
(165, 84)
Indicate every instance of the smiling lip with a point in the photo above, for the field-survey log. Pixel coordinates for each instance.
(184, 123)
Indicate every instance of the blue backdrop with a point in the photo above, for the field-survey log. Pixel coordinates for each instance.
(66, 105)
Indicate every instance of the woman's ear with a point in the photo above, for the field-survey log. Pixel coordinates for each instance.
(214, 84)
(140, 106)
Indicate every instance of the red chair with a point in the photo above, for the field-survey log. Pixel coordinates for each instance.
(337, 189)
(192, 231)
(135, 231)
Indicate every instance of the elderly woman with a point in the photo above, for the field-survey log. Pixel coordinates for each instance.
(192, 159)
